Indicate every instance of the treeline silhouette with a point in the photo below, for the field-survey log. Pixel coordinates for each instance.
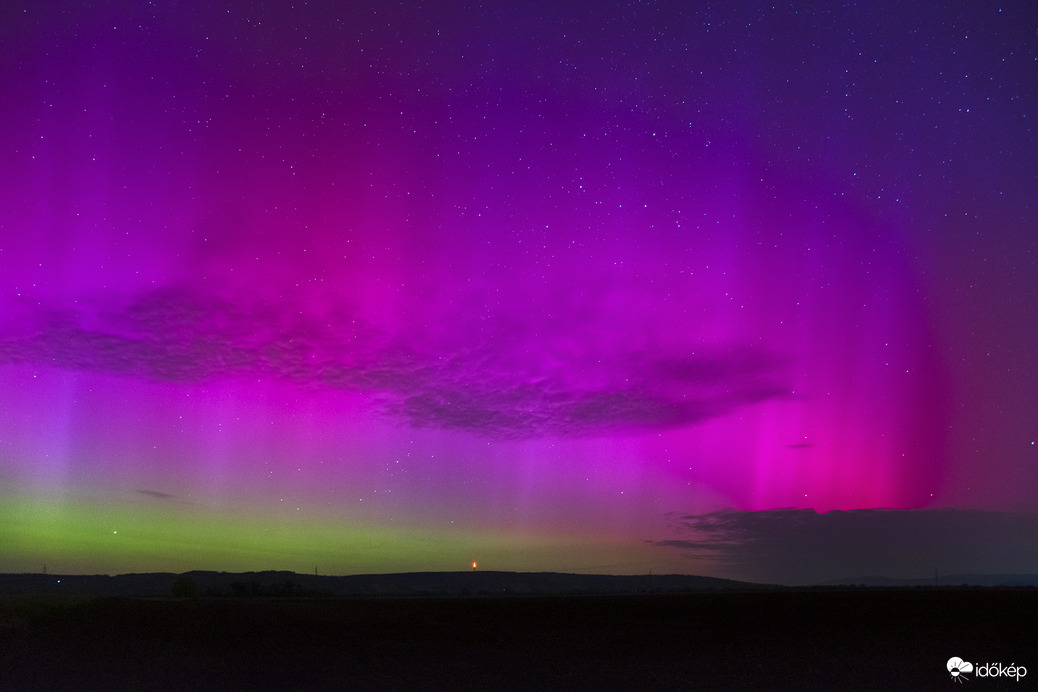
(274, 584)
(185, 586)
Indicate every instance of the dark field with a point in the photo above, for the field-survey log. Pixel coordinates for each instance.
(791, 639)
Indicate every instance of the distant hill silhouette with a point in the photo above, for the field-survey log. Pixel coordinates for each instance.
(431, 584)
(282, 584)
(942, 580)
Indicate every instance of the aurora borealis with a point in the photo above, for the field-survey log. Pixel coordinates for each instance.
(399, 286)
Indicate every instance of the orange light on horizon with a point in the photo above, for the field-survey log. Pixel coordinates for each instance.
(473, 566)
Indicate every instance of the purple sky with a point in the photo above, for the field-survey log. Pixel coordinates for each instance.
(541, 281)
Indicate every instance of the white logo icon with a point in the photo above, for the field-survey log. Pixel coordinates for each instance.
(957, 667)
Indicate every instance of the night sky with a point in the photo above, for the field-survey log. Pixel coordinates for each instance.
(716, 288)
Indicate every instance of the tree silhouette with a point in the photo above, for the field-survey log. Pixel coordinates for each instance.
(185, 587)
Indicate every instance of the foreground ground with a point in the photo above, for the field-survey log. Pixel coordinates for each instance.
(803, 640)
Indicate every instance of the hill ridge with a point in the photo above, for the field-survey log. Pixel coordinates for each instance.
(287, 583)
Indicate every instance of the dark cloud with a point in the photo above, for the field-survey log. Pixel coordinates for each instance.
(585, 396)
(157, 494)
(508, 378)
(799, 546)
(167, 497)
